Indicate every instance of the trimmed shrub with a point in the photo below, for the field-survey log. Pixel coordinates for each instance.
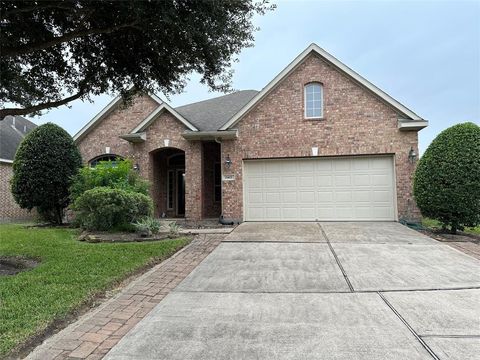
(43, 168)
(105, 174)
(447, 178)
(104, 208)
(148, 224)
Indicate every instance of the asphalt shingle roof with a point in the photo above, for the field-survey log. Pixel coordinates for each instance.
(12, 135)
(210, 115)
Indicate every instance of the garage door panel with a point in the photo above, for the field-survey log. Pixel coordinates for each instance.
(307, 197)
(324, 196)
(343, 196)
(342, 180)
(361, 180)
(256, 183)
(350, 188)
(255, 197)
(307, 181)
(362, 164)
(307, 212)
(324, 166)
(272, 182)
(362, 196)
(342, 164)
(324, 180)
(380, 180)
(288, 181)
(273, 213)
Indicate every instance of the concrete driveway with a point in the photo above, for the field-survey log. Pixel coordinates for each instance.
(318, 291)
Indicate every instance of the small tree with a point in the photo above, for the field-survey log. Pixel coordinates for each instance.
(447, 179)
(44, 165)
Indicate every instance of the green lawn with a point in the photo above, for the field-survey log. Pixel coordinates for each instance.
(70, 273)
(434, 224)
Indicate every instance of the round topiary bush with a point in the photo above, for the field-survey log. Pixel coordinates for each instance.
(104, 208)
(44, 165)
(447, 178)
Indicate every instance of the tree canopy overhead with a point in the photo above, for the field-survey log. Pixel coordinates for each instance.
(53, 52)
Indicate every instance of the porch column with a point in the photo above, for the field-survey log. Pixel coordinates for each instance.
(193, 181)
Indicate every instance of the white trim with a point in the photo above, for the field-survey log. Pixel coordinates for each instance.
(405, 124)
(149, 119)
(135, 138)
(314, 48)
(305, 100)
(106, 110)
(8, 161)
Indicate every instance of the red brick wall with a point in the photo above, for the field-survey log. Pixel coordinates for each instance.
(355, 122)
(119, 122)
(9, 210)
(122, 121)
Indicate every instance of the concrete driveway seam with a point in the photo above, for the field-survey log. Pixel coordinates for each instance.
(345, 276)
(414, 333)
(450, 336)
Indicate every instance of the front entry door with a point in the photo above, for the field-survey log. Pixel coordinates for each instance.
(181, 192)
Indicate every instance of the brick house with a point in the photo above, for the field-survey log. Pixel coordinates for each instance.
(319, 142)
(12, 131)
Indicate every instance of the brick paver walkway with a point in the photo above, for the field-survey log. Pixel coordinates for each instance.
(95, 333)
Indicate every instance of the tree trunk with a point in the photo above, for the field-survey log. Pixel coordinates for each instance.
(453, 229)
(59, 215)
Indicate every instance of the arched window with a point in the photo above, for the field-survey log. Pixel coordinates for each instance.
(313, 101)
(106, 157)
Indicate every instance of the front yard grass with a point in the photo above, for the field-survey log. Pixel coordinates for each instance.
(70, 274)
(436, 225)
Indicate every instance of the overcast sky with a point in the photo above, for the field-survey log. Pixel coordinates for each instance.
(424, 54)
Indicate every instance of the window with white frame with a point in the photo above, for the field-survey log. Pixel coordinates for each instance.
(313, 101)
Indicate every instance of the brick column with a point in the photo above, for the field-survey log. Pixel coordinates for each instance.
(193, 181)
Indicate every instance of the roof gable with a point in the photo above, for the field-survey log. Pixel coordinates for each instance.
(150, 118)
(315, 49)
(111, 106)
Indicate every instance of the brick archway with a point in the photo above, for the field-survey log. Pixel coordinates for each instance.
(168, 182)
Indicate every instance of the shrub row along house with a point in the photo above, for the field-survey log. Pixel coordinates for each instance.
(319, 142)
(12, 131)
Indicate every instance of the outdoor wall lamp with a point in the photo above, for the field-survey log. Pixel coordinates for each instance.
(136, 167)
(412, 155)
(228, 162)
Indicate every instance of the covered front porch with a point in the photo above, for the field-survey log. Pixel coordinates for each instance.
(187, 182)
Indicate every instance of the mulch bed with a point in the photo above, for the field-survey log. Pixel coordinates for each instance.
(121, 237)
(12, 265)
(446, 237)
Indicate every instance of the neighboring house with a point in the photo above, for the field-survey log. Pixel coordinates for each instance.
(319, 142)
(12, 131)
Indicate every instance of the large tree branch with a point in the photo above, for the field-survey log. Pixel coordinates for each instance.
(43, 106)
(28, 48)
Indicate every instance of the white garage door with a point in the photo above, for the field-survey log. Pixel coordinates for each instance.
(347, 188)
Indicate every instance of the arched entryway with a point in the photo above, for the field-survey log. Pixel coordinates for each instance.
(168, 182)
